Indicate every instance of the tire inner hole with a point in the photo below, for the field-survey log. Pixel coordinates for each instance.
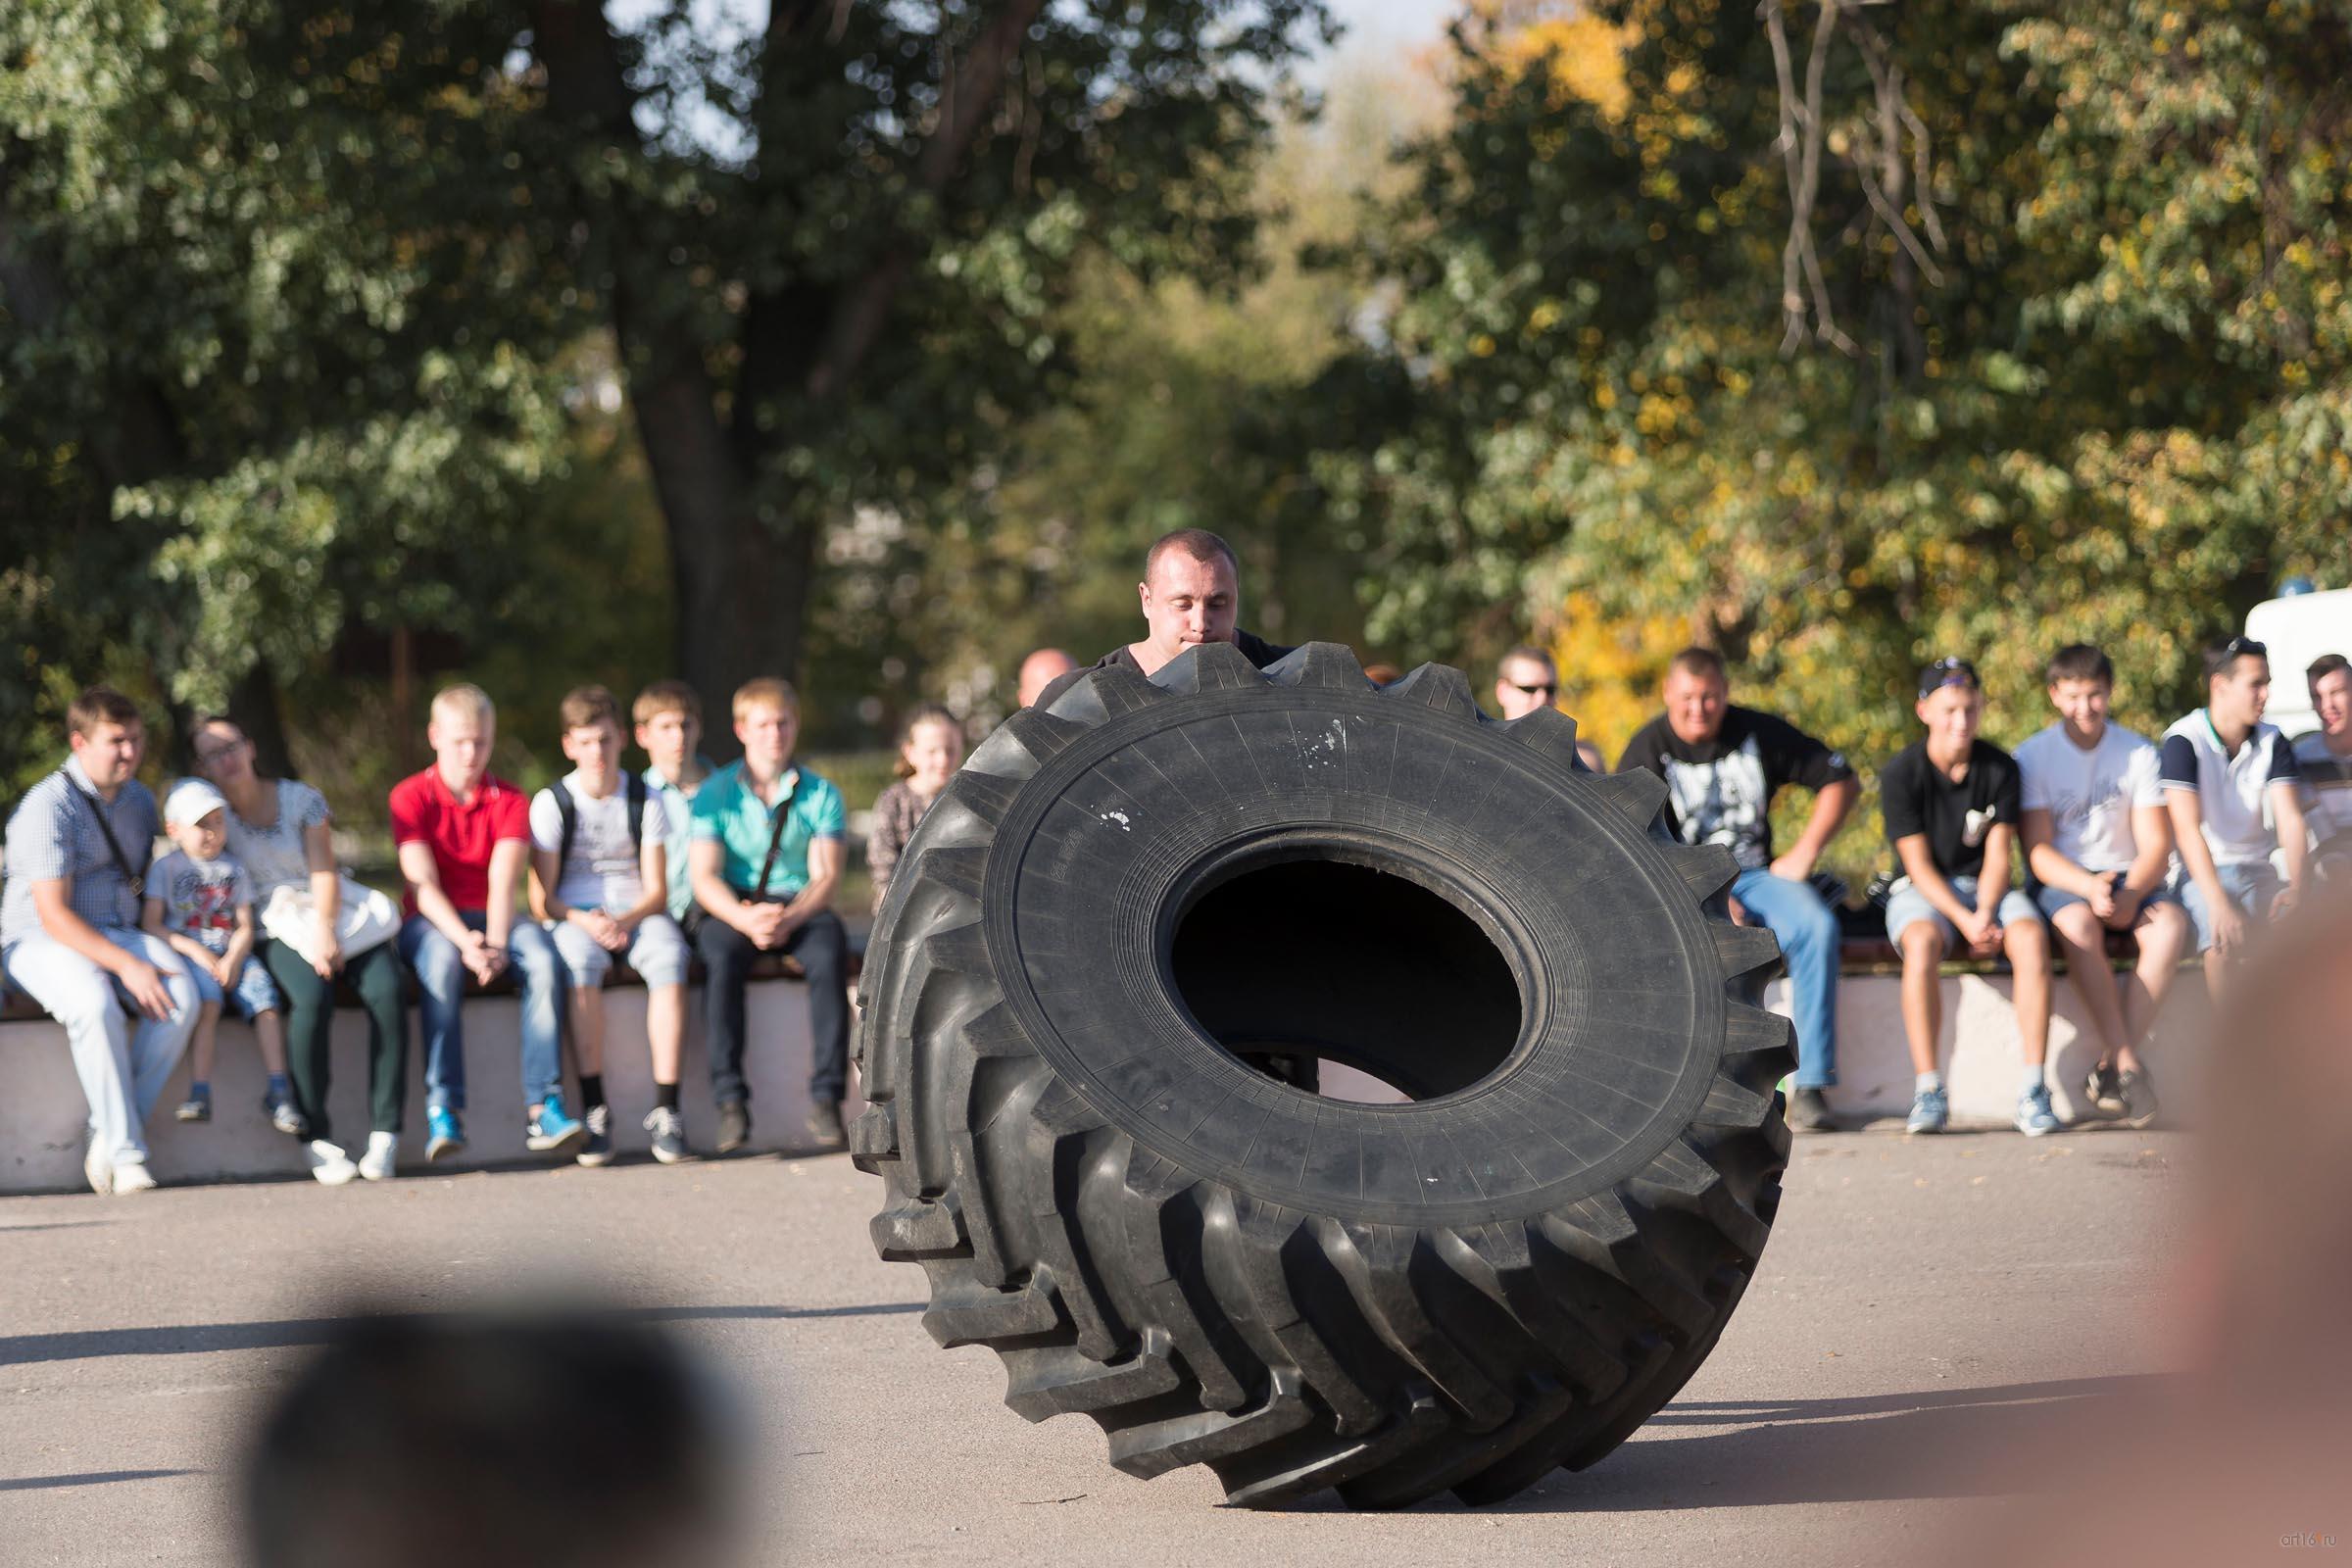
(1306, 963)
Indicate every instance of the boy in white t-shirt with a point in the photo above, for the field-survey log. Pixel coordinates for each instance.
(2098, 841)
(600, 880)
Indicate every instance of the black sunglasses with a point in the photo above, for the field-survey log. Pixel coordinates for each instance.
(1542, 689)
(2241, 647)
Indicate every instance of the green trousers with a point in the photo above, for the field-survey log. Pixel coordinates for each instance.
(310, 1026)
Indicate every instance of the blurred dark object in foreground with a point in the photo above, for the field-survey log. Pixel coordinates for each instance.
(2246, 1453)
(512, 1435)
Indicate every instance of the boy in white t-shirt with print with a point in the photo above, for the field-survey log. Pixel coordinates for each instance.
(2099, 843)
(200, 901)
(599, 881)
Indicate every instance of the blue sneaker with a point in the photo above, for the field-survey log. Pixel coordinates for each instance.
(2034, 1113)
(1928, 1112)
(442, 1133)
(550, 1131)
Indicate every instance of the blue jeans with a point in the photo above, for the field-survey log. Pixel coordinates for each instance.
(1809, 938)
(441, 980)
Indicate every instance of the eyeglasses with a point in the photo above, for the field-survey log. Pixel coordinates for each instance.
(1548, 688)
(205, 759)
(2241, 647)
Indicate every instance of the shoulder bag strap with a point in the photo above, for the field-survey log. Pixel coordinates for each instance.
(137, 880)
(775, 838)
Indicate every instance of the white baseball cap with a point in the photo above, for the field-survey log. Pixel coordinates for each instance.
(191, 801)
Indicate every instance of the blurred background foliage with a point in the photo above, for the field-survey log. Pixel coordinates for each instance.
(336, 341)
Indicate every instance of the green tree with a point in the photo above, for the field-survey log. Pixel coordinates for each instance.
(2063, 355)
(289, 293)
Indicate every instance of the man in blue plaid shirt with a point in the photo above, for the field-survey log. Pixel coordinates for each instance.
(79, 846)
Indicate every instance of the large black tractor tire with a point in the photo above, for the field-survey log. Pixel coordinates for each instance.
(1121, 903)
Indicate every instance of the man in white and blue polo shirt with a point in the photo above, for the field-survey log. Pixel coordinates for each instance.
(2233, 790)
(79, 846)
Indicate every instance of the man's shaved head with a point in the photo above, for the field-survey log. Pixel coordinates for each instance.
(1198, 543)
(1040, 670)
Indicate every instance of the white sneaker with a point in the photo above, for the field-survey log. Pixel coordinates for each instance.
(99, 1169)
(328, 1162)
(132, 1176)
(383, 1149)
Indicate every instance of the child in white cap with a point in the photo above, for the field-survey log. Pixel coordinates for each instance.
(200, 901)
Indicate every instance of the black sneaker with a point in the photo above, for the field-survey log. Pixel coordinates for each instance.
(669, 1131)
(598, 1150)
(1809, 1112)
(824, 1125)
(2140, 1099)
(2104, 1089)
(734, 1126)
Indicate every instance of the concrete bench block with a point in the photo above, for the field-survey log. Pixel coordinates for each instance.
(1981, 1050)
(42, 1113)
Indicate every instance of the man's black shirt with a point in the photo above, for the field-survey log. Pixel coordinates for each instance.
(1254, 648)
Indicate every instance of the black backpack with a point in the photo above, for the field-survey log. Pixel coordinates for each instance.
(632, 786)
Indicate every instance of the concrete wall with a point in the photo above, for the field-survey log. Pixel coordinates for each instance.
(1982, 1056)
(1983, 1059)
(42, 1111)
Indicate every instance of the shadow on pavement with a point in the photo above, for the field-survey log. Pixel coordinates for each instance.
(196, 1339)
(88, 1477)
(1936, 1443)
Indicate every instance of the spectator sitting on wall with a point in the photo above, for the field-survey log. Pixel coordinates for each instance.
(2098, 841)
(78, 847)
(2326, 758)
(1952, 804)
(601, 881)
(1723, 765)
(1191, 594)
(464, 837)
(2235, 791)
(930, 748)
(328, 928)
(1526, 679)
(769, 844)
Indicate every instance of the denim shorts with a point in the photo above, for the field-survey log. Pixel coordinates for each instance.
(2052, 900)
(256, 992)
(656, 950)
(1907, 905)
(2252, 885)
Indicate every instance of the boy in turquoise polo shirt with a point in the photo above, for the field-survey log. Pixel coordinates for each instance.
(769, 844)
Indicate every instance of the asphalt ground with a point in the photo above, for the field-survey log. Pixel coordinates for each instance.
(1928, 1311)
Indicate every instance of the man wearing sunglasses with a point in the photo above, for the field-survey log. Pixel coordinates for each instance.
(1723, 765)
(2233, 788)
(1527, 680)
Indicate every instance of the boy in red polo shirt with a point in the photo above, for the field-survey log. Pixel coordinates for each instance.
(464, 838)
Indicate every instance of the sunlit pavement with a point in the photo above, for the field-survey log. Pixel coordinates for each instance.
(1926, 1308)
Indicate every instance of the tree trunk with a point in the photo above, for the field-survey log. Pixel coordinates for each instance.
(739, 586)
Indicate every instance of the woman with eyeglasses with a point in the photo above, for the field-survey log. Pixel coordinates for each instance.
(282, 833)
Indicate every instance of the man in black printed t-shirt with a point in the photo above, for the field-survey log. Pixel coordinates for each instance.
(1723, 765)
(1952, 805)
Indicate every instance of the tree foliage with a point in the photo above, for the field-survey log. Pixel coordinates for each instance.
(293, 296)
(2109, 405)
